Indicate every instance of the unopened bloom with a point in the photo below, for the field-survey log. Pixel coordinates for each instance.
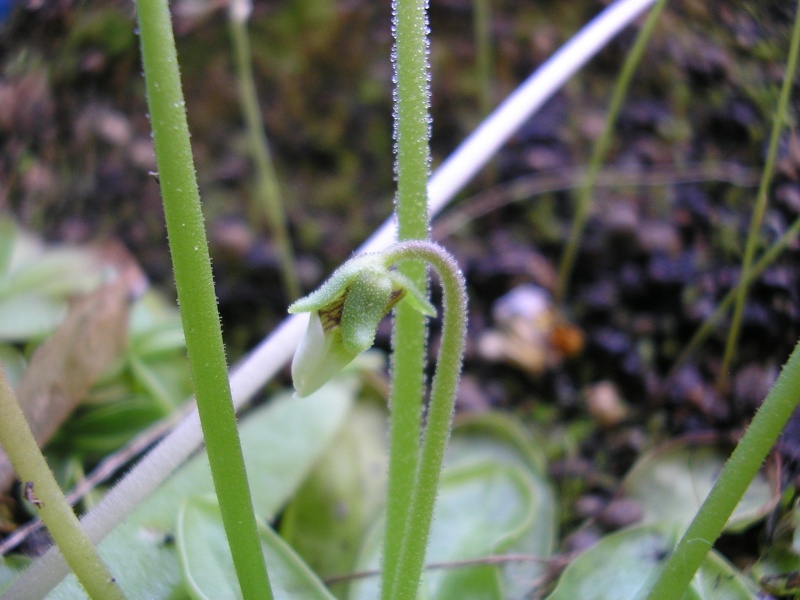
(345, 312)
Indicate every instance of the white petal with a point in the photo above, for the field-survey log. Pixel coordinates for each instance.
(319, 357)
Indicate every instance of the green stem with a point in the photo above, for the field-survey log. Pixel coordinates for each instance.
(761, 204)
(600, 149)
(482, 33)
(31, 467)
(763, 432)
(733, 481)
(195, 288)
(766, 260)
(412, 132)
(419, 512)
(267, 188)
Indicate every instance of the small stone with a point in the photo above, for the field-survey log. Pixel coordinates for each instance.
(605, 404)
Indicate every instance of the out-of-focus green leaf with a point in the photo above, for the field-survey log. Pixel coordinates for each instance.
(500, 437)
(671, 483)
(329, 516)
(70, 362)
(482, 509)
(151, 311)
(8, 238)
(625, 565)
(494, 499)
(30, 315)
(18, 246)
(281, 442)
(36, 282)
(137, 389)
(56, 272)
(102, 429)
(166, 381)
(717, 579)
(507, 502)
(13, 363)
(159, 339)
(10, 567)
(778, 568)
(472, 583)
(208, 567)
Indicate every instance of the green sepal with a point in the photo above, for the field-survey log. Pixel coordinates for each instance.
(337, 283)
(414, 295)
(345, 313)
(367, 302)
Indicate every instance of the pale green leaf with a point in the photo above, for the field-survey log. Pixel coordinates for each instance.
(671, 483)
(29, 316)
(8, 238)
(329, 516)
(10, 568)
(501, 438)
(281, 442)
(13, 363)
(160, 339)
(60, 272)
(481, 510)
(625, 565)
(208, 566)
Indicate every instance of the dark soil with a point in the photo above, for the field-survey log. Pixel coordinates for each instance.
(663, 243)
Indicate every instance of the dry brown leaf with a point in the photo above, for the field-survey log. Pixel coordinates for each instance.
(64, 368)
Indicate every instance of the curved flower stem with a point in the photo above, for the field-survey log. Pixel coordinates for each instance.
(31, 467)
(416, 528)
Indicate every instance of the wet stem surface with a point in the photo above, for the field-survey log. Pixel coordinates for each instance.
(661, 249)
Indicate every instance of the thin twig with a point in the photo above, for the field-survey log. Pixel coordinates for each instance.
(452, 564)
(524, 188)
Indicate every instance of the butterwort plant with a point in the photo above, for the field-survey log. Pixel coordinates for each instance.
(344, 316)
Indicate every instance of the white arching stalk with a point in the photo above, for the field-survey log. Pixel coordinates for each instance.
(261, 365)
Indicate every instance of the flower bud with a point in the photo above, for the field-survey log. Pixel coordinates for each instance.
(345, 312)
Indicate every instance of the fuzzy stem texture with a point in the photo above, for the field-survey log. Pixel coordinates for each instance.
(195, 287)
(31, 467)
(736, 476)
(412, 132)
(419, 512)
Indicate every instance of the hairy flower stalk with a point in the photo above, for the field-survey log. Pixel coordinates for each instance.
(345, 313)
